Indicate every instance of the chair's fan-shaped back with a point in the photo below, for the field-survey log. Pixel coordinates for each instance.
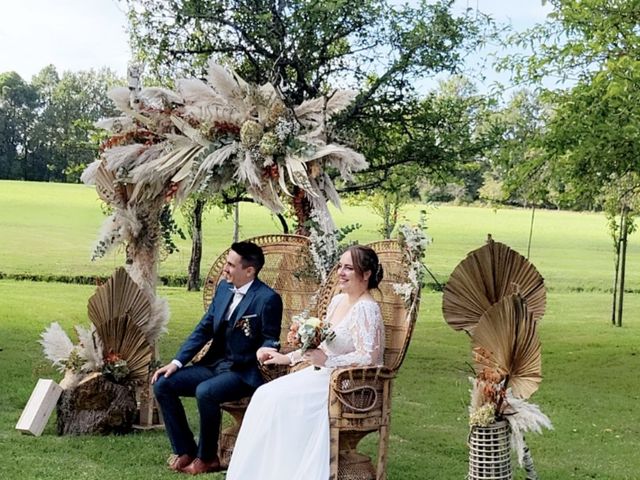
(483, 278)
(505, 339)
(287, 270)
(398, 319)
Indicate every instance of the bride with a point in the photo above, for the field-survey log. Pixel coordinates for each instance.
(285, 432)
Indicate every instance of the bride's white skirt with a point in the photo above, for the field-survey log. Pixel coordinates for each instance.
(285, 432)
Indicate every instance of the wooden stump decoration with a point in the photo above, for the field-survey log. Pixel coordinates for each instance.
(96, 406)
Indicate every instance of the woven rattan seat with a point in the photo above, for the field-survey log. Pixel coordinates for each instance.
(359, 397)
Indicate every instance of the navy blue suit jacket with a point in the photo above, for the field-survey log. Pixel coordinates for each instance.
(254, 323)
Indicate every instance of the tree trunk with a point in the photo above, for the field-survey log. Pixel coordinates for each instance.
(193, 282)
(623, 263)
(614, 304)
(386, 221)
(533, 215)
(283, 222)
(236, 222)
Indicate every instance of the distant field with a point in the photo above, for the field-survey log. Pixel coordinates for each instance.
(49, 229)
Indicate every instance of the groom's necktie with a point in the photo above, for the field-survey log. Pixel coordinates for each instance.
(237, 297)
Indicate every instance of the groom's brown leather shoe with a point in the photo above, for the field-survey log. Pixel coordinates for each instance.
(199, 466)
(179, 462)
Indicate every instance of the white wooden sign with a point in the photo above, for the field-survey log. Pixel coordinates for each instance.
(39, 407)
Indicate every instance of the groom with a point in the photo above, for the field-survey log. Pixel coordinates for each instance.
(243, 321)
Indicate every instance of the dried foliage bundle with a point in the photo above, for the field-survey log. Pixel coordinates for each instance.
(505, 341)
(118, 343)
(497, 296)
(484, 277)
(209, 135)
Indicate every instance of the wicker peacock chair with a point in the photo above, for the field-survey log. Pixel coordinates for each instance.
(287, 272)
(360, 397)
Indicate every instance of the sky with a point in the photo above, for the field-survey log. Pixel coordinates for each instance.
(70, 34)
(83, 34)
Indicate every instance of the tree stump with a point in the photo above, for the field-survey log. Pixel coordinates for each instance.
(96, 406)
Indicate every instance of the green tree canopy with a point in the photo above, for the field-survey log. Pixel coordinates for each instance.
(593, 136)
(18, 100)
(46, 126)
(592, 139)
(307, 48)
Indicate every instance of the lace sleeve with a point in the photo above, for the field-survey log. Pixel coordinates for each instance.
(367, 335)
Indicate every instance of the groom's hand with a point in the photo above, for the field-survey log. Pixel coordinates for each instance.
(168, 370)
(265, 353)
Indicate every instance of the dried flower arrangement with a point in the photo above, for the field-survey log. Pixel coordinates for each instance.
(497, 297)
(118, 344)
(414, 242)
(207, 136)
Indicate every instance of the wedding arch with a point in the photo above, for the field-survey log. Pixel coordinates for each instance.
(202, 137)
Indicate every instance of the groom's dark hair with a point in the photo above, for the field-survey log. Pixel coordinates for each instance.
(251, 254)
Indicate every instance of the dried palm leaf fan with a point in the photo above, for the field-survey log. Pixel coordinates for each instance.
(120, 311)
(106, 185)
(109, 189)
(505, 339)
(122, 337)
(484, 278)
(120, 296)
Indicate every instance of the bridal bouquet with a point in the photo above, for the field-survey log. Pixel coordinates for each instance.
(308, 332)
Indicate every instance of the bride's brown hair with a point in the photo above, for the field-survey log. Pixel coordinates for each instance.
(365, 260)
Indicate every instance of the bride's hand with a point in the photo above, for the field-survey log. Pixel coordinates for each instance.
(315, 356)
(276, 358)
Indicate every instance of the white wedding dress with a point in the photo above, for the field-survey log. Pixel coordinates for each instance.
(285, 432)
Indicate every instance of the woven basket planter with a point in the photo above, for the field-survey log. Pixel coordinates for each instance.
(490, 452)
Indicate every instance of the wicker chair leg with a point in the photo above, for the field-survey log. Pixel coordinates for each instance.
(383, 447)
(334, 452)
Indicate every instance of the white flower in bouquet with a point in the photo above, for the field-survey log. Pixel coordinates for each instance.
(308, 332)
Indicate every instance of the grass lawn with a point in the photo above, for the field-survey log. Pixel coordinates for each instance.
(589, 391)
